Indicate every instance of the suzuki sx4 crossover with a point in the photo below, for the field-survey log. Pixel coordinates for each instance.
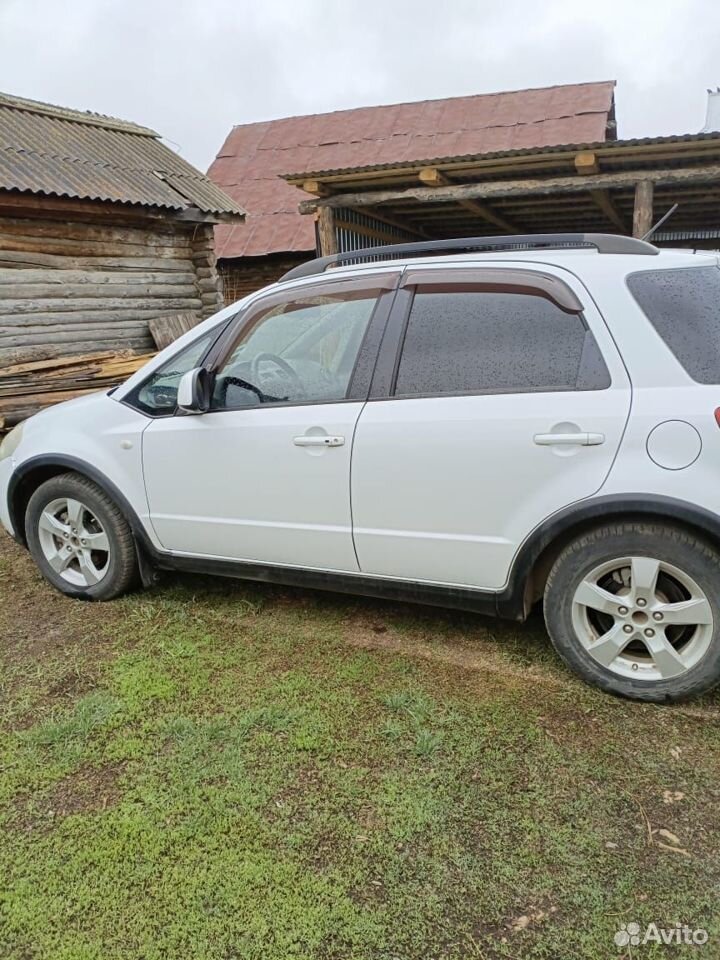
(478, 423)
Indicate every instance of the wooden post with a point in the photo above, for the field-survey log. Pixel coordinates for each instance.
(326, 231)
(643, 212)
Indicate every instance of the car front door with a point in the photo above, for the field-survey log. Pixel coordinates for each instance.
(264, 475)
(504, 401)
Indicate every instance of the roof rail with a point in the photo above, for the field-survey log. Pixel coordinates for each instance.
(602, 242)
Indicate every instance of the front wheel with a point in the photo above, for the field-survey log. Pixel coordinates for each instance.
(632, 608)
(79, 539)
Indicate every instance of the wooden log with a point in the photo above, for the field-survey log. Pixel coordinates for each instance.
(312, 186)
(675, 176)
(586, 162)
(60, 305)
(84, 248)
(77, 230)
(11, 355)
(9, 276)
(115, 334)
(71, 291)
(431, 177)
(327, 236)
(20, 260)
(79, 330)
(150, 309)
(643, 210)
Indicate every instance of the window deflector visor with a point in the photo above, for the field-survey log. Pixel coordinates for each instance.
(533, 283)
(378, 282)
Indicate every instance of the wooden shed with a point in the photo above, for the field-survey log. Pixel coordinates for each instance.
(375, 142)
(619, 186)
(102, 228)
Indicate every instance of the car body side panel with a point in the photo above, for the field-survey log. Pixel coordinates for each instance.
(96, 430)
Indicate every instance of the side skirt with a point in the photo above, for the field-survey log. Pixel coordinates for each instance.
(477, 601)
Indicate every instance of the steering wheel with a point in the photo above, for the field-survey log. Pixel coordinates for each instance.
(279, 362)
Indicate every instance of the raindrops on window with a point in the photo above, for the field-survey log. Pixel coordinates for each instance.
(464, 341)
(684, 307)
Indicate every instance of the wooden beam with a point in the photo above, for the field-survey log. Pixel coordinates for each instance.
(586, 162)
(643, 212)
(327, 237)
(677, 176)
(603, 201)
(313, 186)
(432, 177)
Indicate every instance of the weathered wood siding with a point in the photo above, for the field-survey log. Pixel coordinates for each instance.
(245, 275)
(70, 287)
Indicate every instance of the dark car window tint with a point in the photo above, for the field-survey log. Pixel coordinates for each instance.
(684, 308)
(469, 341)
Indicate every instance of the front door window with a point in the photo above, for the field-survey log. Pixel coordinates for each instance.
(299, 352)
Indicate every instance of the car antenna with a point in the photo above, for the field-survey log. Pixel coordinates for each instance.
(661, 221)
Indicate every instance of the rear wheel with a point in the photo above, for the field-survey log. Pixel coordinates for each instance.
(79, 539)
(632, 608)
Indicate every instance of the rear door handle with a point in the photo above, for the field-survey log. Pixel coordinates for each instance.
(583, 439)
(318, 441)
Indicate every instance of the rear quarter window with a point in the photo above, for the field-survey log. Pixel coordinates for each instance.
(684, 308)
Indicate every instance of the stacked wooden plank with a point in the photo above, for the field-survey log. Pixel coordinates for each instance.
(26, 388)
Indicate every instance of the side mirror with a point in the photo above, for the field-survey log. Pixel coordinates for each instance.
(193, 394)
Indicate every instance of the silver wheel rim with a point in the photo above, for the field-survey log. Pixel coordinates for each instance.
(74, 542)
(642, 618)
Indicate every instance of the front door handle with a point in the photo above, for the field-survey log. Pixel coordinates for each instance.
(323, 440)
(566, 439)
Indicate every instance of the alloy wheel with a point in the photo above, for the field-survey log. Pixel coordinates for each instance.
(74, 542)
(642, 618)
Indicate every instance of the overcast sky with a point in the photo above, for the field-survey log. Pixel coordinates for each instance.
(191, 69)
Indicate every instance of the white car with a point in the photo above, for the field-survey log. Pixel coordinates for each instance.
(480, 423)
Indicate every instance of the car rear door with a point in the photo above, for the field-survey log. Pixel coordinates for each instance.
(499, 398)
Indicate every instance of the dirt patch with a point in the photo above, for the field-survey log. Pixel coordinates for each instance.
(87, 790)
(468, 655)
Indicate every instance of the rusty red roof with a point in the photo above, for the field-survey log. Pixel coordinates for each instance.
(255, 155)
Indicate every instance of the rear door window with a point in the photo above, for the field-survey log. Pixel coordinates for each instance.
(463, 340)
(684, 307)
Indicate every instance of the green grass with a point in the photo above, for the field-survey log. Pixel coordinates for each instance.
(216, 770)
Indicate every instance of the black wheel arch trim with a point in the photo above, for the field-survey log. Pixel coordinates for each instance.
(510, 602)
(80, 466)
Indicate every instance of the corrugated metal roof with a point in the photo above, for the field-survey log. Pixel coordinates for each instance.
(54, 151)
(469, 158)
(254, 157)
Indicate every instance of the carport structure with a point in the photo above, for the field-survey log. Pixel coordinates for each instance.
(618, 186)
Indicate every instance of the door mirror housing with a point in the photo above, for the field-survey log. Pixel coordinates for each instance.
(193, 394)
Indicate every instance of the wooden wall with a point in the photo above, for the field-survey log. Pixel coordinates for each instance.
(244, 275)
(69, 286)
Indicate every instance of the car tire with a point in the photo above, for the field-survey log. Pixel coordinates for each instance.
(79, 539)
(631, 607)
